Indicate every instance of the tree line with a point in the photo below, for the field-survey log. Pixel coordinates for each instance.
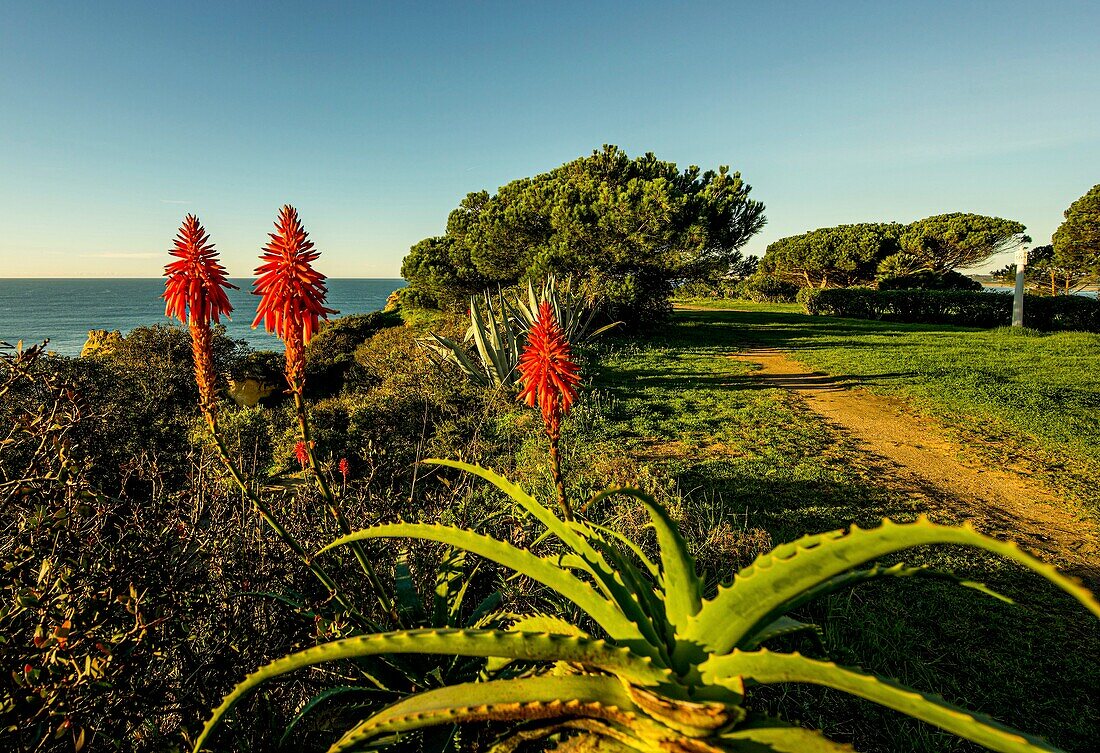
(623, 232)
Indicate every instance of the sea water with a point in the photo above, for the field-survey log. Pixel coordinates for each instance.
(63, 310)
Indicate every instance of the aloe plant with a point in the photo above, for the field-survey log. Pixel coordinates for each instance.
(655, 666)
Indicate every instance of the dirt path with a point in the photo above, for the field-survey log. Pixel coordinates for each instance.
(924, 463)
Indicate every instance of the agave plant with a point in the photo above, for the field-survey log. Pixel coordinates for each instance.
(655, 666)
(570, 312)
(496, 335)
(498, 328)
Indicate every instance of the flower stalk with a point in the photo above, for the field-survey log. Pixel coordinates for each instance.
(291, 305)
(550, 378)
(194, 292)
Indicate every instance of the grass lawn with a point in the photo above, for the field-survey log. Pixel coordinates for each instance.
(1021, 399)
(759, 458)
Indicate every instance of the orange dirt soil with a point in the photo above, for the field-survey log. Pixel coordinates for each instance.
(926, 465)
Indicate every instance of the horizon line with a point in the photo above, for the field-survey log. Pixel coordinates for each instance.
(119, 277)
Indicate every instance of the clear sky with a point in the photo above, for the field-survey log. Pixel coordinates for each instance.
(116, 119)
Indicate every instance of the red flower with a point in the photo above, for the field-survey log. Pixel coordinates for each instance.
(195, 288)
(293, 292)
(547, 371)
(343, 466)
(301, 453)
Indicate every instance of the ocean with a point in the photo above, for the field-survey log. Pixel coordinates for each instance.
(32, 310)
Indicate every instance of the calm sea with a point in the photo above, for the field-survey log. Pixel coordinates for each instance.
(64, 310)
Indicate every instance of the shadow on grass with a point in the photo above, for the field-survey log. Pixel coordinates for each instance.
(975, 651)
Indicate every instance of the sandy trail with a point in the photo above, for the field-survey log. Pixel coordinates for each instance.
(925, 464)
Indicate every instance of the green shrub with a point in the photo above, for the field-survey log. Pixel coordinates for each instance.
(331, 352)
(765, 288)
(928, 280)
(963, 308)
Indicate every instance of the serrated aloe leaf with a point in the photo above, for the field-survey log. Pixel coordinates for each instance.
(325, 695)
(682, 587)
(900, 570)
(610, 580)
(781, 626)
(450, 588)
(481, 643)
(649, 564)
(535, 623)
(405, 595)
(478, 329)
(761, 591)
(537, 568)
(497, 351)
(525, 699)
(483, 612)
(780, 738)
(765, 667)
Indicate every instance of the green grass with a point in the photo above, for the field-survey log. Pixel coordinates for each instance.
(759, 458)
(1016, 398)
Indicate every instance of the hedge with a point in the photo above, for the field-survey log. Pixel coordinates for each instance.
(962, 307)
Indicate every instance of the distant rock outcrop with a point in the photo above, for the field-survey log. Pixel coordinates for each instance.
(250, 391)
(393, 303)
(101, 342)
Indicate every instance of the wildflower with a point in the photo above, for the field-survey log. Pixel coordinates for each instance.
(550, 378)
(547, 371)
(343, 466)
(292, 291)
(301, 453)
(195, 293)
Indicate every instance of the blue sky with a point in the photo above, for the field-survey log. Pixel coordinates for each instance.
(117, 119)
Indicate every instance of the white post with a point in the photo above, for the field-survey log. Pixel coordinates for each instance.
(1018, 296)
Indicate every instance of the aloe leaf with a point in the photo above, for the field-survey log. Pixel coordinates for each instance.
(781, 626)
(481, 643)
(511, 344)
(533, 299)
(483, 611)
(447, 599)
(598, 567)
(611, 738)
(489, 358)
(777, 737)
(317, 700)
(497, 349)
(497, 700)
(634, 548)
(683, 589)
(537, 568)
(405, 595)
(762, 591)
(765, 667)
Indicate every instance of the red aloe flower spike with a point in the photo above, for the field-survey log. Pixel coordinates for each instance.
(343, 466)
(195, 294)
(550, 378)
(293, 292)
(195, 288)
(301, 453)
(547, 371)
